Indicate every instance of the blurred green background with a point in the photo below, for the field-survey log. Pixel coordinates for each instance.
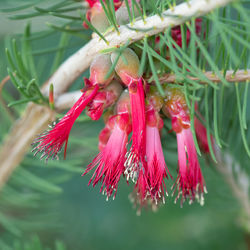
(55, 203)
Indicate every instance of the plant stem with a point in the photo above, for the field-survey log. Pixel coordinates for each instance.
(239, 76)
(75, 65)
(67, 100)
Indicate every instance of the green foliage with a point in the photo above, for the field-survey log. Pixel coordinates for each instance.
(35, 244)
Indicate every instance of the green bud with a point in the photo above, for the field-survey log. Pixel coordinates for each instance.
(99, 69)
(127, 66)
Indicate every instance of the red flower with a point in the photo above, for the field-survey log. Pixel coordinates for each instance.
(190, 183)
(110, 161)
(150, 186)
(190, 180)
(51, 142)
(128, 72)
(136, 157)
(156, 166)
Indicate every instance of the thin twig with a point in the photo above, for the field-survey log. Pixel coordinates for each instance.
(3, 82)
(75, 65)
(239, 76)
(34, 120)
(67, 100)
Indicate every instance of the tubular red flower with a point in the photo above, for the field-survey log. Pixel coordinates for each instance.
(190, 183)
(110, 161)
(156, 166)
(190, 180)
(201, 134)
(51, 142)
(128, 72)
(136, 157)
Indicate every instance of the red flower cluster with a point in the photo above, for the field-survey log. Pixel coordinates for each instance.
(137, 108)
(111, 159)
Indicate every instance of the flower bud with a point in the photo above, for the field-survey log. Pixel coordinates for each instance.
(127, 66)
(98, 18)
(106, 131)
(123, 104)
(104, 99)
(122, 15)
(99, 68)
(154, 98)
(176, 108)
(107, 115)
(96, 107)
(113, 92)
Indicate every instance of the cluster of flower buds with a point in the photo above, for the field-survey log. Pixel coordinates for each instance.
(134, 106)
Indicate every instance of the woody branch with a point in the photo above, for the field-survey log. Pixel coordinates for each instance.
(67, 100)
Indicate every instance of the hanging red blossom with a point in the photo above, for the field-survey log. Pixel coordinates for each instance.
(128, 72)
(156, 166)
(110, 161)
(190, 183)
(51, 142)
